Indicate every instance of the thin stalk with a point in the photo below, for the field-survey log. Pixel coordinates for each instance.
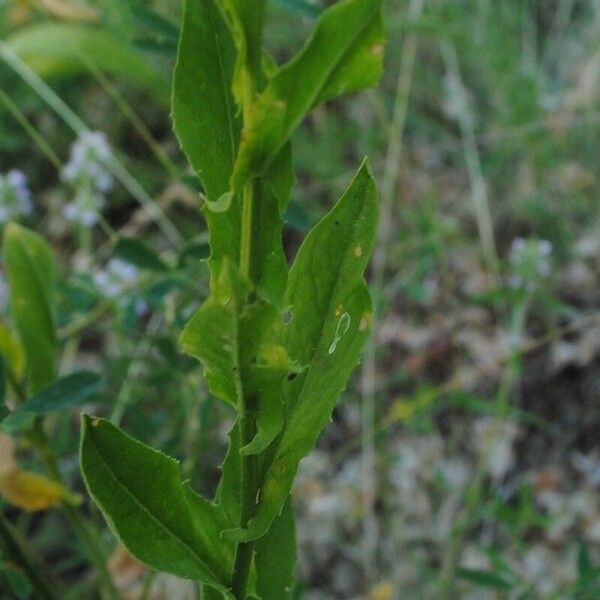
(18, 552)
(475, 490)
(479, 191)
(46, 150)
(130, 114)
(369, 369)
(31, 131)
(142, 348)
(114, 165)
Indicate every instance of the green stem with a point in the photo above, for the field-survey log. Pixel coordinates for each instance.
(246, 229)
(249, 464)
(18, 552)
(249, 468)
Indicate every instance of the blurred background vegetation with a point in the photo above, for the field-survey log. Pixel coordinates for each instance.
(464, 461)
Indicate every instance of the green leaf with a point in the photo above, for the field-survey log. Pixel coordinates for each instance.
(30, 269)
(55, 50)
(209, 593)
(269, 269)
(212, 336)
(276, 557)
(344, 54)
(269, 419)
(17, 422)
(237, 343)
(68, 391)
(205, 117)
(330, 312)
(209, 136)
(229, 493)
(138, 253)
(204, 112)
(158, 518)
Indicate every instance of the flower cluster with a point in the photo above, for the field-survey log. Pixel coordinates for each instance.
(15, 197)
(87, 172)
(115, 278)
(529, 263)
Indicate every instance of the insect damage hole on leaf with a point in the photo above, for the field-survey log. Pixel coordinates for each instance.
(341, 328)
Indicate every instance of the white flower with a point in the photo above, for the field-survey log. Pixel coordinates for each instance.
(117, 276)
(15, 197)
(89, 155)
(529, 262)
(85, 209)
(86, 171)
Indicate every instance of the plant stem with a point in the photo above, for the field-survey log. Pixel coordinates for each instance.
(17, 551)
(479, 190)
(246, 233)
(247, 424)
(249, 467)
(475, 490)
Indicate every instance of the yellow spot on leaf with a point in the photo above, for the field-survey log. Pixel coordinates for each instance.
(358, 251)
(377, 49)
(12, 350)
(279, 104)
(95, 422)
(364, 322)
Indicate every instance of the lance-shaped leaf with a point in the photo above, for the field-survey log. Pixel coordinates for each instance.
(344, 54)
(276, 557)
(330, 318)
(65, 392)
(212, 336)
(156, 516)
(207, 123)
(206, 119)
(204, 111)
(269, 268)
(30, 269)
(243, 361)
